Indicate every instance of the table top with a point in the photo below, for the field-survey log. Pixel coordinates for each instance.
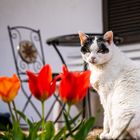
(73, 39)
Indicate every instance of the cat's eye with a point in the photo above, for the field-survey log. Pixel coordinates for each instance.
(102, 48)
(100, 51)
(85, 50)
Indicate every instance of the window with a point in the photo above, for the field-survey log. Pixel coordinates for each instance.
(123, 18)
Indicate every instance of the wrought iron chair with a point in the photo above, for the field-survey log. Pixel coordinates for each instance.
(28, 54)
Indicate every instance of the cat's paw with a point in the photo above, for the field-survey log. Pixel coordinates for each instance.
(110, 136)
(104, 136)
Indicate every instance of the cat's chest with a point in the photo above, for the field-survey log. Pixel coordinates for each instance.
(95, 81)
(101, 82)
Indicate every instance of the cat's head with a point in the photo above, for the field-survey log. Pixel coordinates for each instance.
(97, 50)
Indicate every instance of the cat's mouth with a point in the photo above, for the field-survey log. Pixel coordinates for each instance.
(92, 61)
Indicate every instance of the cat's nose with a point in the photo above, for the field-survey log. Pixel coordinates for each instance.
(92, 60)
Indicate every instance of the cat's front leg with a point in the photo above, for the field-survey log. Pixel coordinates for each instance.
(118, 130)
(105, 127)
(115, 135)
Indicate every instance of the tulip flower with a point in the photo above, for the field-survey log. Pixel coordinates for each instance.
(74, 85)
(9, 87)
(42, 86)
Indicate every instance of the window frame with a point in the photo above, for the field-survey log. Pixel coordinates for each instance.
(129, 39)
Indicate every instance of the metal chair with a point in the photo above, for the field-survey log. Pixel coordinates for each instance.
(28, 54)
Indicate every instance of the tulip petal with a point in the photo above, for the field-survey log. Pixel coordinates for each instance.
(9, 87)
(65, 69)
(84, 76)
(74, 85)
(52, 87)
(4, 87)
(41, 86)
(14, 87)
(33, 84)
(44, 80)
(66, 87)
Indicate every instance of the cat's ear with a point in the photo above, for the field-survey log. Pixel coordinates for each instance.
(108, 36)
(83, 37)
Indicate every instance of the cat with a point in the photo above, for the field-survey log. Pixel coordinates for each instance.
(116, 78)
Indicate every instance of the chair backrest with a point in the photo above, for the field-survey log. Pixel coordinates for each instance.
(28, 54)
(27, 48)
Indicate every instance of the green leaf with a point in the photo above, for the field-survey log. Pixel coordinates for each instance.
(62, 132)
(49, 130)
(16, 132)
(5, 136)
(4, 127)
(68, 124)
(23, 116)
(33, 131)
(75, 118)
(84, 130)
(59, 135)
(73, 129)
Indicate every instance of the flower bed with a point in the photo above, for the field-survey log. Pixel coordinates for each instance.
(72, 89)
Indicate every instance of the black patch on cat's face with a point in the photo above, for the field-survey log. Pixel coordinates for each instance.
(102, 46)
(100, 43)
(86, 46)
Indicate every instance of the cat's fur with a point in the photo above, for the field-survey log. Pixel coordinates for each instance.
(117, 80)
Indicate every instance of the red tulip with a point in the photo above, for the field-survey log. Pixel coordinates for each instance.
(42, 86)
(9, 87)
(74, 85)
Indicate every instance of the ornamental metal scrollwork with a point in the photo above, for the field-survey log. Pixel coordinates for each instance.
(27, 51)
(37, 66)
(34, 37)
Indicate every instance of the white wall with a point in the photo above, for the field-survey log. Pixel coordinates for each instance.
(53, 18)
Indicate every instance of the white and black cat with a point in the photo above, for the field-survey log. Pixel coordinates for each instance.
(117, 80)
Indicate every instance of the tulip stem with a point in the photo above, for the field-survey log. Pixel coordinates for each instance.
(43, 118)
(69, 107)
(10, 109)
(15, 110)
(43, 113)
(43, 121)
